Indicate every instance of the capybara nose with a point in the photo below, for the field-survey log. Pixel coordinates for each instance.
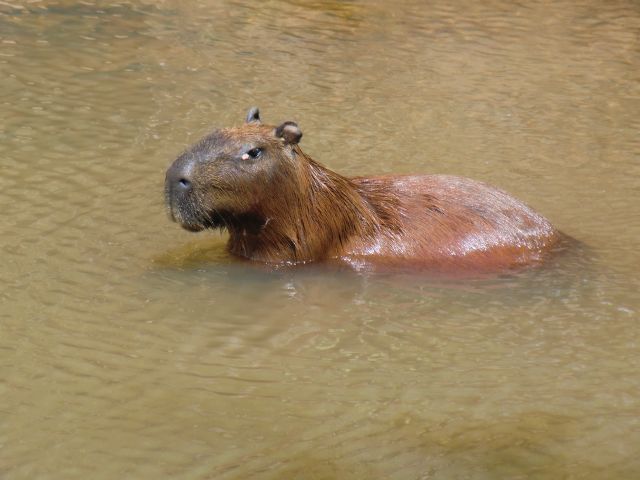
(179, 177)
(184, 184)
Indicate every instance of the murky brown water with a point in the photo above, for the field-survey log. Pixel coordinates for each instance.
(132, 349)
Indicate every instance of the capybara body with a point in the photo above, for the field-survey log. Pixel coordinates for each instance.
(280, 206)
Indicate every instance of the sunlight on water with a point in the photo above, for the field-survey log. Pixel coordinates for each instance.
(132, 349)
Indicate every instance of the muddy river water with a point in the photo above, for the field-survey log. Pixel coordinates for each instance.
(130, 348)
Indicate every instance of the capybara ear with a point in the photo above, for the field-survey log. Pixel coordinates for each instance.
(253, 116)
(289, 132)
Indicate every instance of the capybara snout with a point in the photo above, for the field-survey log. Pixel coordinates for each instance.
(279, 205)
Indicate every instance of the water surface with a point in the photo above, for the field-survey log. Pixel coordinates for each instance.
(132, 349)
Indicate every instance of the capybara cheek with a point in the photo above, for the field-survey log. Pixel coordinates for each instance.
(226, 201)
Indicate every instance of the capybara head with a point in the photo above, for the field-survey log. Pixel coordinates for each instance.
(231, 174)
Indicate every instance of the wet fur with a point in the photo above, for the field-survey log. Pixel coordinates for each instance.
(299, 211)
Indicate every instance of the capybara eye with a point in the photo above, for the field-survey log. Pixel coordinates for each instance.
(255, 152)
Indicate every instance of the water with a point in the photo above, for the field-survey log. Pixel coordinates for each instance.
(132, 349)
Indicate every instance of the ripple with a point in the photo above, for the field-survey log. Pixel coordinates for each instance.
(131, 348)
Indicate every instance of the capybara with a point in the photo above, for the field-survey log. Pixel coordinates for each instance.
(281, 206)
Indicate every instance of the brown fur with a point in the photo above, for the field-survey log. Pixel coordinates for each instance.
(284, 207)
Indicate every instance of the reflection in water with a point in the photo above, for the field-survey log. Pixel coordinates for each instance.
(129, 348)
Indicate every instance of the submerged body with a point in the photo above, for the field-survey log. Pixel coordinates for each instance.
(280, 206)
